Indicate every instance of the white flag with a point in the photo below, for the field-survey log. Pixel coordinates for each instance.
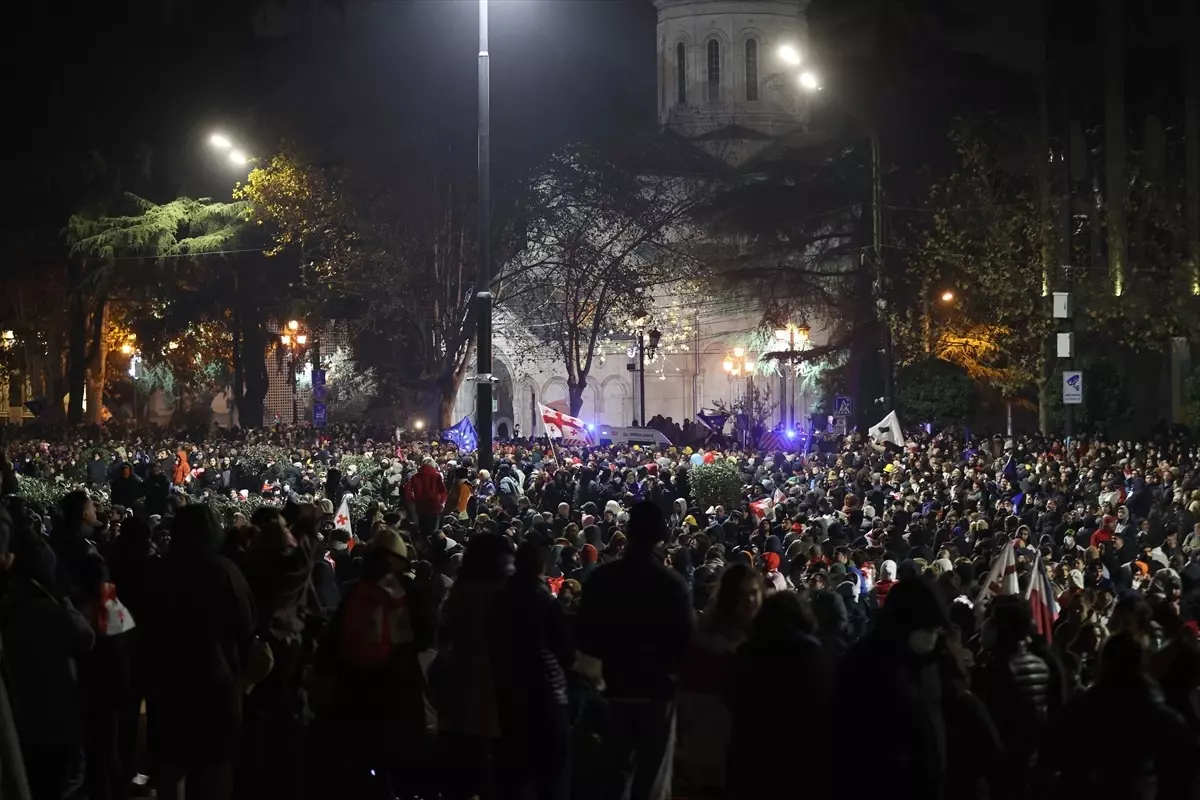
(563, 426)
(888, 430)
(341, 520)
(1002, 580)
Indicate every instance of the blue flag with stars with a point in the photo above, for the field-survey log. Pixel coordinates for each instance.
(463, 435)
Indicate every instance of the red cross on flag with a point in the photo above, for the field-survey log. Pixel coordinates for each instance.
(341, 520)
(112, 617)
(564, 426)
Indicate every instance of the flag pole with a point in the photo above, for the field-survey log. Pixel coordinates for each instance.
(553, 452)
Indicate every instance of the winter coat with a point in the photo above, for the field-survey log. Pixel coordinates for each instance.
(529, 654)
(13, 782)
(809, 673)
(43, 639)
(182, 469)
(97, 471)
(1015, 687)
(636, 617)
(426, 491)
(126, 489)
(466, 687)
(1157, 759)
(200, 635)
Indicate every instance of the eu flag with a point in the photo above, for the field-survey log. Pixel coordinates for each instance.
(462, 434)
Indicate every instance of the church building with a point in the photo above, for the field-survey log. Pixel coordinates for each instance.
(727, 72)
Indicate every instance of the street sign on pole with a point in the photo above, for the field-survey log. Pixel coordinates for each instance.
(843, 406)
(318, 377)
(319, 415)
(1072, 387)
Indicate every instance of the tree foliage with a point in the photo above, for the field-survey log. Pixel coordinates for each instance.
(601, 241)
(394, 255)
(936, 391)
(978, 240)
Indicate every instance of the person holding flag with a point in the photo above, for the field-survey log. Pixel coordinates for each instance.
(572, 430)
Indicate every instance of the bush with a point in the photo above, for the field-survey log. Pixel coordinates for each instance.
(718, 483)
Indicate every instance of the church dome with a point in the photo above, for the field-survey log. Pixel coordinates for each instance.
(720, 68)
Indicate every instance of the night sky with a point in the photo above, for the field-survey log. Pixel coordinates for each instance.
(380, 83)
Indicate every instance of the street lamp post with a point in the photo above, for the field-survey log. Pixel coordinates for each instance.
(483, 292)
(736, 365)
(796, 337)
(295, 341)
(640, 368)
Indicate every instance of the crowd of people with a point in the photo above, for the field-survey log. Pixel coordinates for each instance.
(192, 617)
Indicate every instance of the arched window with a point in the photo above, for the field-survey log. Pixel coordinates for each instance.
(752, 69)
(714, 71)
(681, 74)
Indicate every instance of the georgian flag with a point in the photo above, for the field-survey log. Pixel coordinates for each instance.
(341, 520)
(1002, 580)
(112, 617)
(1041, 599)
(564, 426)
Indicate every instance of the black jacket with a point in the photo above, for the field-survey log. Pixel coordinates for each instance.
(201, 632)
(1015, 687)
(636, 617)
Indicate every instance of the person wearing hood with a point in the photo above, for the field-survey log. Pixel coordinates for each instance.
(589, 558)
(126, 487)
(942, 735)
(201, 632)
(774, 580)
(883, 586)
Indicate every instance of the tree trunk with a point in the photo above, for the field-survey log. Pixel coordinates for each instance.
(447, 397)
(1115, 144)
(77, 347)
(575, 394)
(1043, 400)
(97, 366)
(253, 361)
(53, 410)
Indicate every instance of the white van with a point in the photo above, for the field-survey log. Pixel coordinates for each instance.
(606, 435)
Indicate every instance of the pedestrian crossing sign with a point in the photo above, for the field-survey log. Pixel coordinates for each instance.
(842, 406)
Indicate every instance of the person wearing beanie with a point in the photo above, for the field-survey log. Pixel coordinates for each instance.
(771, 576)
(887, 579)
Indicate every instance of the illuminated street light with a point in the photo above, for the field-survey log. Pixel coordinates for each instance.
(810, 81)
(727, 365)
(738, 352)
(220, 141)
(789, 55)
(173, 346)
(301, 339)
(238, 158)
(285, 338)
(127, 349)
(293, 325)
(419, 425)
(947, 296)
